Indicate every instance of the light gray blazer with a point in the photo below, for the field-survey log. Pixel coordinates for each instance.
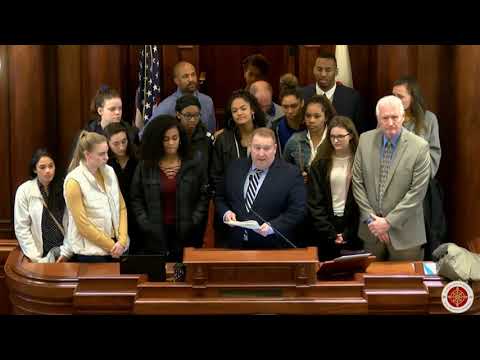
(405, 190)
(432, 136)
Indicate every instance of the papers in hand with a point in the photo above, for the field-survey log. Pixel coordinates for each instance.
(249, 224)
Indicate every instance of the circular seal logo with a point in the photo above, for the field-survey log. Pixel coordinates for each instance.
(457, 297)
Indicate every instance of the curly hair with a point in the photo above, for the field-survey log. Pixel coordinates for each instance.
(326, 105)
(258, 115)
(152, 149)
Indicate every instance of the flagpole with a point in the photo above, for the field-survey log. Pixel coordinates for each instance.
(144, 81)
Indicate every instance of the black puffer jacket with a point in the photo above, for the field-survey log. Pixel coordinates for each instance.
(202, 141)
(191, 206)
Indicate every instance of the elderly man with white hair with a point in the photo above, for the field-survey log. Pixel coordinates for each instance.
(390, 178)
(263, 91)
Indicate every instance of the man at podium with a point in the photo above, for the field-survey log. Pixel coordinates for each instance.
(264, 189)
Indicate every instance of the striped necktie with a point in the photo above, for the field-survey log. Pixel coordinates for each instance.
(384, 168)
(252, 188)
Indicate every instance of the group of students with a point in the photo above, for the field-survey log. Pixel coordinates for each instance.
(125, 196)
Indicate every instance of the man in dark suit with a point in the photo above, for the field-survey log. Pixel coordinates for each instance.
(263, 185)
(347, 101)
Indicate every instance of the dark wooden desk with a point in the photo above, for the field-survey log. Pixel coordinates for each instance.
(72, 288)
(6, 246)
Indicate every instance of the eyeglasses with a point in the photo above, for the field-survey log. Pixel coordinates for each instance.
(189, 116)
(338, 137)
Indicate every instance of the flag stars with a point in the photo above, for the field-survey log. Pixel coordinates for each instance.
(149, 79)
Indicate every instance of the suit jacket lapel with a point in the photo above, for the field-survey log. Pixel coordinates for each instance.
(244, 168)
(336, 98)
(375, 159)
(400, 150)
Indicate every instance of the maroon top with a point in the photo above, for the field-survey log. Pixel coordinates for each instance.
(168, 188)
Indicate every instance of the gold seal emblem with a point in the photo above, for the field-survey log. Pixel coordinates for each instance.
(457, 297)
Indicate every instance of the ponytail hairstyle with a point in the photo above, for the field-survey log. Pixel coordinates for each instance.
(289, 86)
(103, 93)
(288, 80)
(86, 141)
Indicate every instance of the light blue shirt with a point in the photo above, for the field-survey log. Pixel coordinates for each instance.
(394, 142)
(167, 107)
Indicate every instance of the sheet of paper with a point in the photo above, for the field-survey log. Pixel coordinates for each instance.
(249, 224)
(430, 268)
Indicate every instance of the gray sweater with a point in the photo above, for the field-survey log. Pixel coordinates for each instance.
(433, 139)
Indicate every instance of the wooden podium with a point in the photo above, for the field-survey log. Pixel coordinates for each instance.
(225, 282)
(213, 266)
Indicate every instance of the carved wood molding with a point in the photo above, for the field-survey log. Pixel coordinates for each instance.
(100, 289)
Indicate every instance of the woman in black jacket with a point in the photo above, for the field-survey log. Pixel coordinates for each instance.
(169, 190)
(123, 159)
(243, 115)
(332, 208)
(188, 111)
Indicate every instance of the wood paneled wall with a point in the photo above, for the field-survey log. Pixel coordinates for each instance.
(6, 191)
(45, 94)
(80, 71)
(464, 172)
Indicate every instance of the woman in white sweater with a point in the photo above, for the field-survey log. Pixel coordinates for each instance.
(39, 215)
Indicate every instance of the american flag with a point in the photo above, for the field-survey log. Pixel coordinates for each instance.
(149, 80)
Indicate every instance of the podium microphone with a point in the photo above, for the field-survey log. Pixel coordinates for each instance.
(275, 230)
